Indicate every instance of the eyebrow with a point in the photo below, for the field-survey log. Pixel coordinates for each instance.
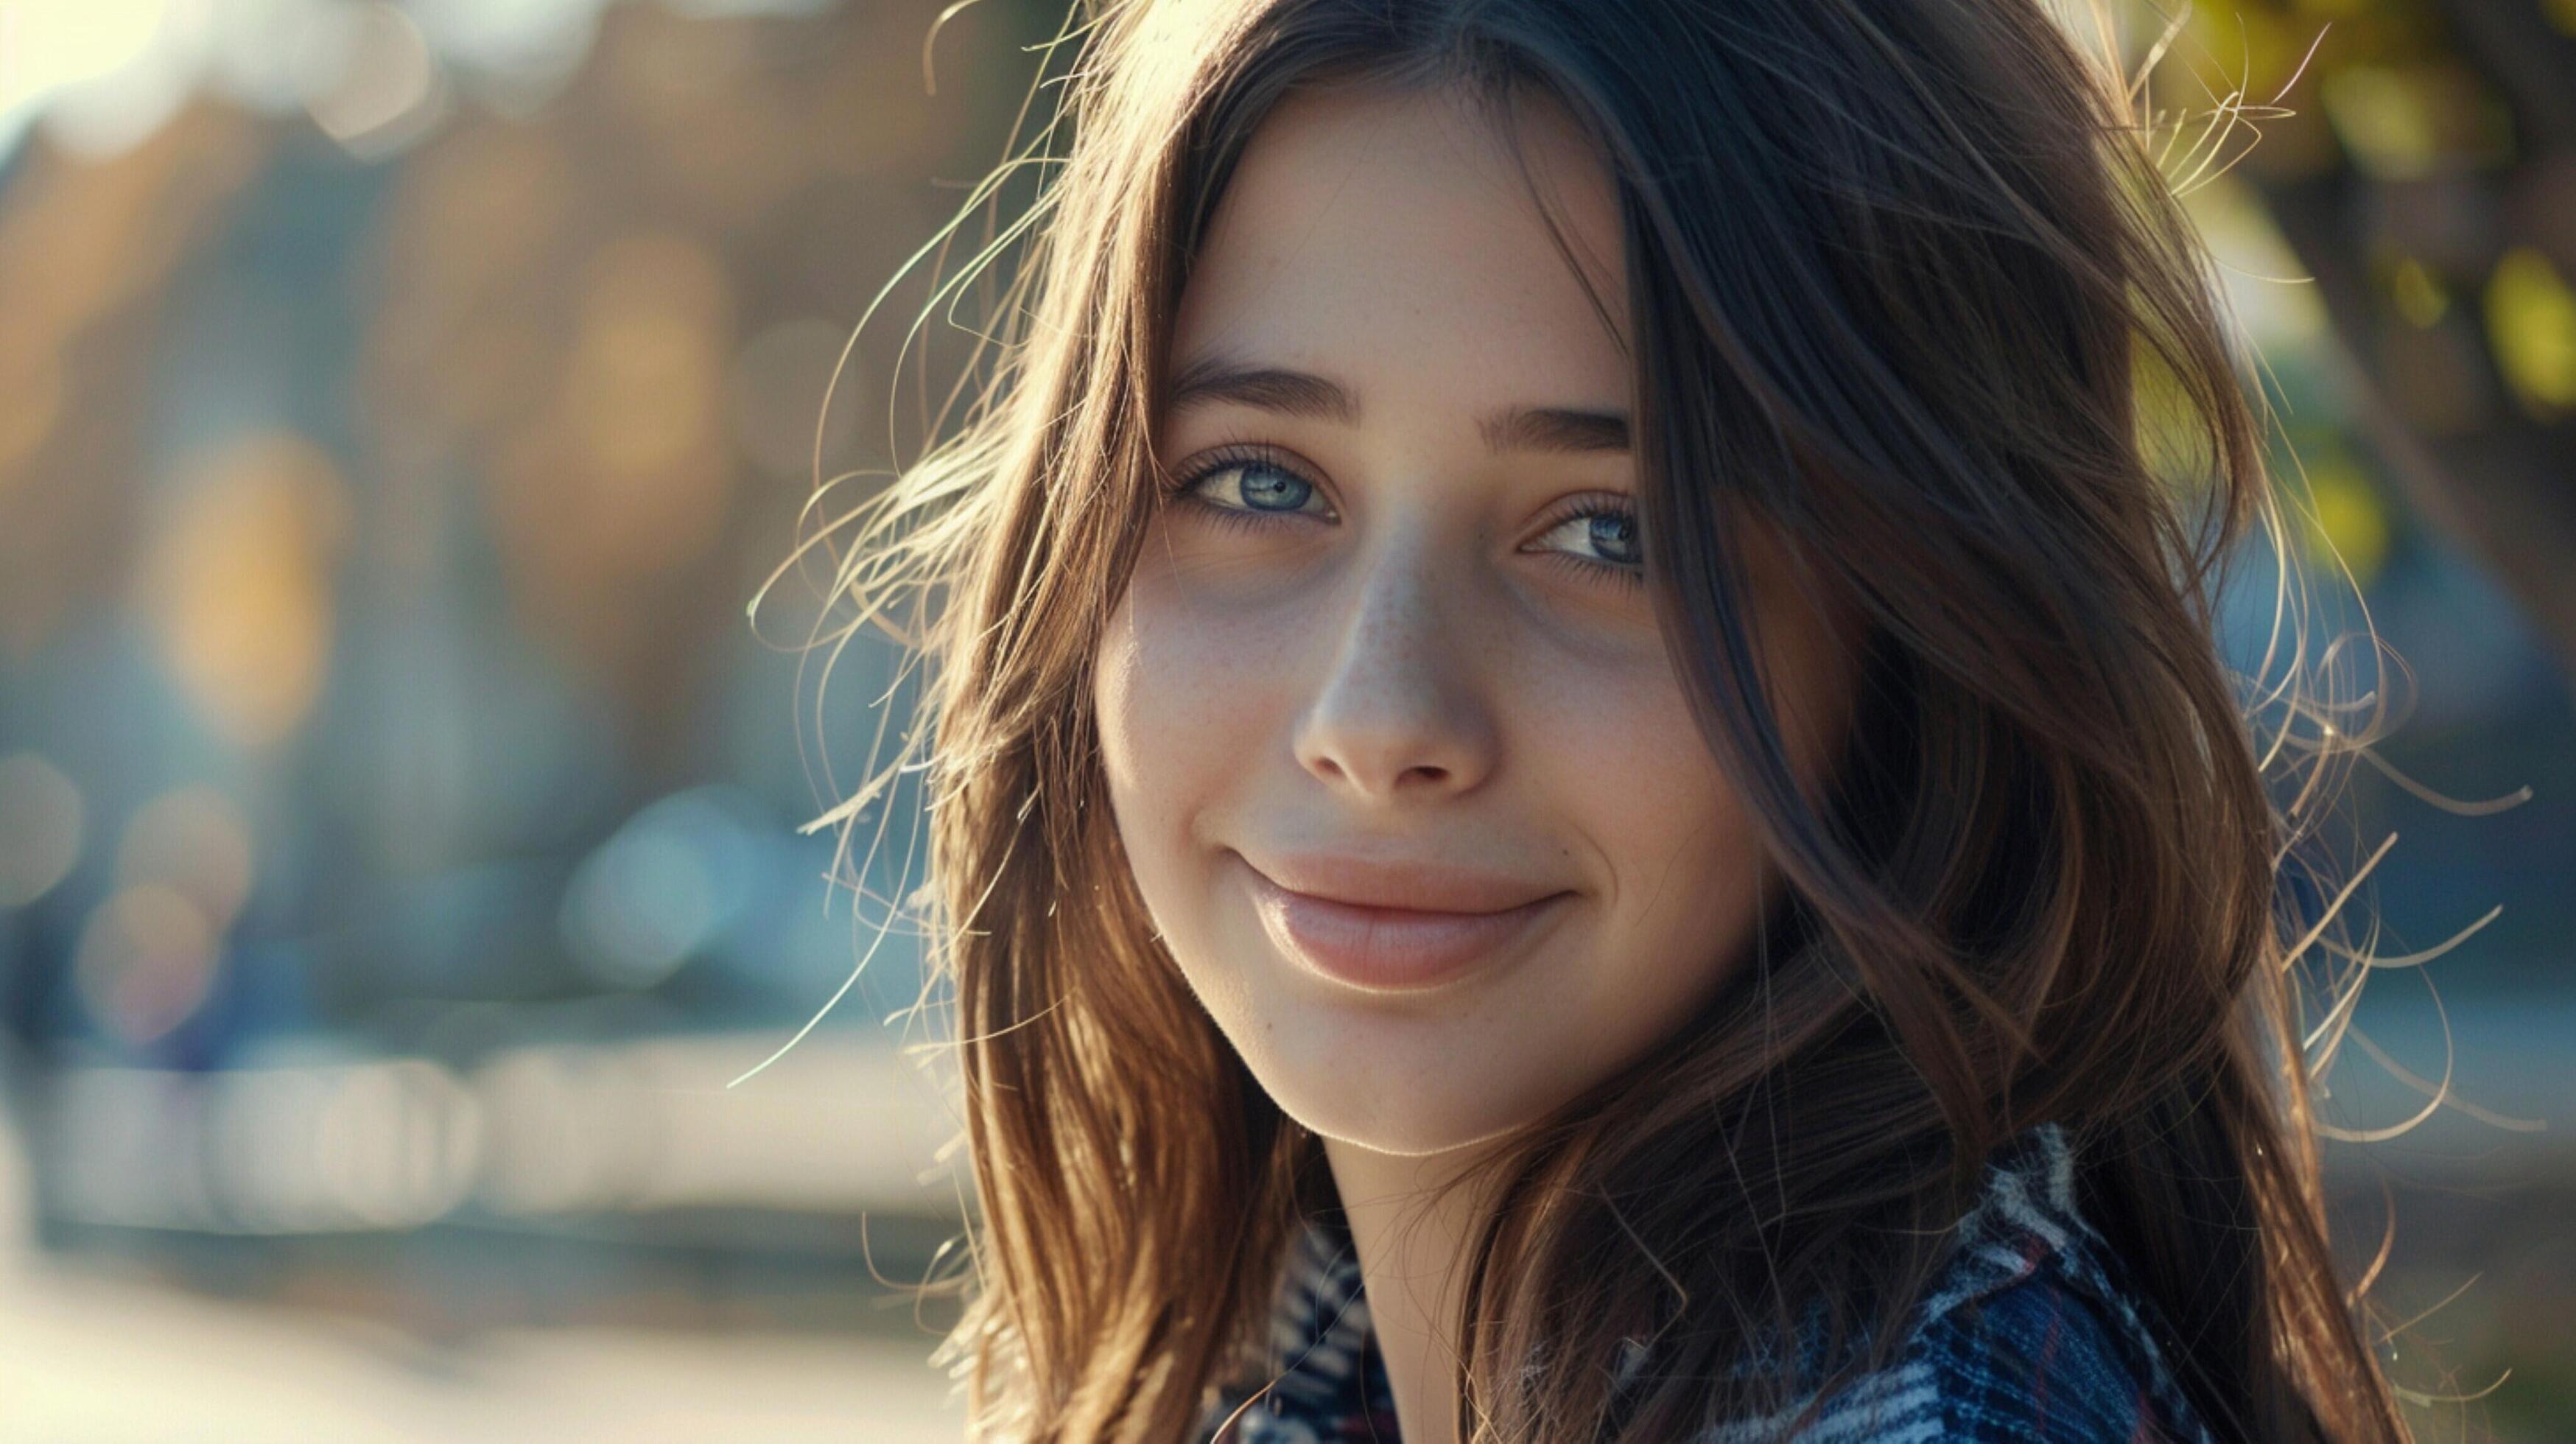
(1212, 380)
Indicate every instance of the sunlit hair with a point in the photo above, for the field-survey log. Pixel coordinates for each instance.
(1907, 282)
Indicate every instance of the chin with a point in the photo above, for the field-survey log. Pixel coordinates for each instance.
(1366, 1117)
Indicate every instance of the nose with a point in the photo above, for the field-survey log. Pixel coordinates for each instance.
(1398, 710)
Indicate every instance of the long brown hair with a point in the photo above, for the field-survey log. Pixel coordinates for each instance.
(1906, 283)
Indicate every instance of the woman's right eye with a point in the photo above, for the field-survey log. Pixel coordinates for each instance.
(1247, 491)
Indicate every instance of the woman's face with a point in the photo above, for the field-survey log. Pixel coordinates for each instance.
(1390, 645)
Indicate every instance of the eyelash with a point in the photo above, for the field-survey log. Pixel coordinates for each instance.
(1185, 491)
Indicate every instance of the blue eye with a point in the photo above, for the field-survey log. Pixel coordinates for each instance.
(1264, 486)
(1272, 494)
(1610, 530)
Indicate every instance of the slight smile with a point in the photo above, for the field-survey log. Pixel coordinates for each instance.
(1387, 949)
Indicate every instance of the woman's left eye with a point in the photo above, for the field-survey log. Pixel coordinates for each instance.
(1611, 531)
(1268, 493)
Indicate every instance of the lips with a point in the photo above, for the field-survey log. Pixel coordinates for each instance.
(1397, 883)
(1397, 949)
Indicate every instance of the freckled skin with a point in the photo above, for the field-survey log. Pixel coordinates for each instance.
(1404, 663)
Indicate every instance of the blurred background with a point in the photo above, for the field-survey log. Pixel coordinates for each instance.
(400, 405)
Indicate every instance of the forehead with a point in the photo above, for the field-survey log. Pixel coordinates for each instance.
(1390, 238)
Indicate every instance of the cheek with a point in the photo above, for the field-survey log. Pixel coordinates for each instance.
(1680, 850)
(1680, 857)
(1178, 708)
(1693, 870)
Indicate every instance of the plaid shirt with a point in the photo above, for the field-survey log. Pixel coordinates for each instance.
(2030, 1333)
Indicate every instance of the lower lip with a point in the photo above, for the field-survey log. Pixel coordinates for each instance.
(1389, 950)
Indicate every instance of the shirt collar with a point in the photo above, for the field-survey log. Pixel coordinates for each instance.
(1330, 1383)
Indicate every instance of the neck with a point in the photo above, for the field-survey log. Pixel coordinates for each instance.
(1412, 1254)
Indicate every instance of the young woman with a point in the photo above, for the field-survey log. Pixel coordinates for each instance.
(1581, 788)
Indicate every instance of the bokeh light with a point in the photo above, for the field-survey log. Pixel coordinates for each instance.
(193, 839)
(2531, 311)
(239, 585)
(661, 888)
(388, 89)
(146, 960)
(41, 827)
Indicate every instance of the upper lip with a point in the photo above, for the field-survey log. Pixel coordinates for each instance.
(1412, 885)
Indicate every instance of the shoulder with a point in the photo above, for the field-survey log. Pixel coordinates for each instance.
(2031, 1333)
(2045, 1359)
